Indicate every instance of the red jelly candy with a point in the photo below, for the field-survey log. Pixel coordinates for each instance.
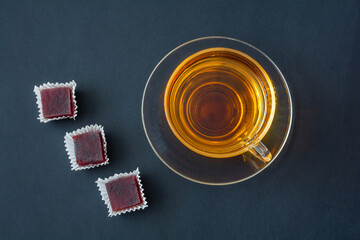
(124, 193)
(57, 102)
(89, 148)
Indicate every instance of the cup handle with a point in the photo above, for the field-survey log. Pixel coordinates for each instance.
(261, 152)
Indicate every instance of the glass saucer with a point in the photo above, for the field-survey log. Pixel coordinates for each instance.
(196, 167)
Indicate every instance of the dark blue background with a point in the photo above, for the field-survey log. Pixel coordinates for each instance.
(110, 48)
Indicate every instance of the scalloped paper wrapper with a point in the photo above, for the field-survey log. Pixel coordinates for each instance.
(48, 85)
(105, 197)
(70, 146)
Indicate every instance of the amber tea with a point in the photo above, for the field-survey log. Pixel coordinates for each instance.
(219, 102)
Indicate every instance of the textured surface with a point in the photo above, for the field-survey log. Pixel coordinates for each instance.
(109, 49)
(89, 148)
(123, 193)
(56, 102)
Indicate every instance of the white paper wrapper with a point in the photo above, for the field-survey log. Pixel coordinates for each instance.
(48, 85)
(70, 146)
(104, 194)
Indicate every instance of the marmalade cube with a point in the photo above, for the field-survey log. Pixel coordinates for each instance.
(122, 192)
(56, 101)
(86, 147)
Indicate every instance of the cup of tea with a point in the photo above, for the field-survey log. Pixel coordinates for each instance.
(217, 110)
(219, 102)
